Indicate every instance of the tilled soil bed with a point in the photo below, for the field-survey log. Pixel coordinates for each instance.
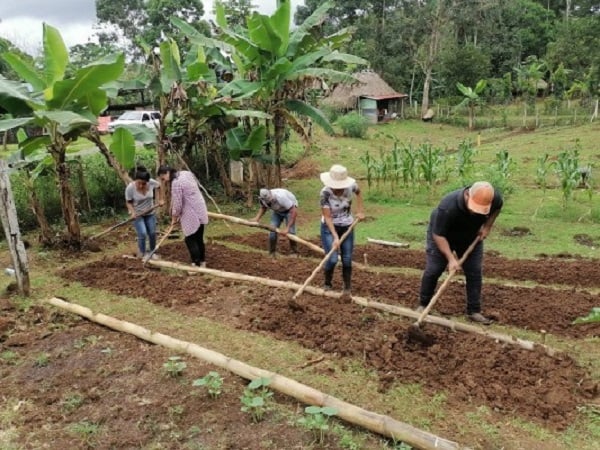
(469, 369)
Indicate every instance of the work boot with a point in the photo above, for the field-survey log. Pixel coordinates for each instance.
(294, 248)
(328, 279)
(347, 277)
(479, 318)
(272, 247)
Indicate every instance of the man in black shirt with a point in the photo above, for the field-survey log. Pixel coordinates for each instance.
(461, 216)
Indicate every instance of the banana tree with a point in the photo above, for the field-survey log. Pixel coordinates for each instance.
(472, 98)
(194, 113)
(64, 107)
(277, 66)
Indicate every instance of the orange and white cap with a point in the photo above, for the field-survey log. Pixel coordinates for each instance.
(481, 195)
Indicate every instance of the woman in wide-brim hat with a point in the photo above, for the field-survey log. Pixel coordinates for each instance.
(336, 217)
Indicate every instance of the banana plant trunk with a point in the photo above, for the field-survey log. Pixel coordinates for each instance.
(67, 202)
(279, 122)
(46, 234)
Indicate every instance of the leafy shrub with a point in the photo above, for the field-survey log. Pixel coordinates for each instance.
(353, 125)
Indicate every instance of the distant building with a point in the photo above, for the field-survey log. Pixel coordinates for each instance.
(370, 96)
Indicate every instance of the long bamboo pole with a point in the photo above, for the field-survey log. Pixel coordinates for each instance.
(388, 243)
(393, 309)
(249, 223)
(356, 415)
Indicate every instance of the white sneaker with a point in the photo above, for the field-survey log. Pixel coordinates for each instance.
(155, 256)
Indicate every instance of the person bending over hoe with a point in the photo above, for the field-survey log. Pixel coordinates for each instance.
(461, 216)
(284, 207)
(189, 209)
(140, 196)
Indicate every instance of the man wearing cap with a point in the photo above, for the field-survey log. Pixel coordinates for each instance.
(461, 217)
(284, 207)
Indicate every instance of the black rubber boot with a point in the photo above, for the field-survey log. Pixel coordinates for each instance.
(294, 248)
(328, 278)
(272, 247)
(347, 277)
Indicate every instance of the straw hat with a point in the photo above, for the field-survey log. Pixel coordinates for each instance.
(337, 178)
(481, 196)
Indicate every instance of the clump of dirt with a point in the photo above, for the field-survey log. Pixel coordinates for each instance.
(587, 240)
(303, 169)
(516, 232)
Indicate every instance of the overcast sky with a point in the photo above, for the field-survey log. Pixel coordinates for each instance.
(21, 20)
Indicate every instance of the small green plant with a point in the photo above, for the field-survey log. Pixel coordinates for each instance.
(317, 420)
(72, 401)
(213, 383)
(85, 430)
(174, 367)
(42, 360)
(9, 356)
(256, 398)
(592, 317)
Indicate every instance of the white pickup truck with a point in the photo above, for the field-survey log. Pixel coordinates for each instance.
(148, 119)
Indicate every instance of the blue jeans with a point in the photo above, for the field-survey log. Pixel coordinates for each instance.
(276, 220)
(345, 249)
(145, 226)
(435, 265)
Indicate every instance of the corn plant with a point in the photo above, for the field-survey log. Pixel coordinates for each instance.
(430, 163)
(213, 383)
(542, 170)
(317, 420)
(567, 169)
(464, 160)
(256, 398)
(409, 165)
(502, 170)
(174, 367)
(369, 163)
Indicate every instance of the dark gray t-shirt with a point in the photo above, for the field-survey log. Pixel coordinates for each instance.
(141, 202)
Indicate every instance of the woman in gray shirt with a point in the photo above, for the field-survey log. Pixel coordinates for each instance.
(139, 197)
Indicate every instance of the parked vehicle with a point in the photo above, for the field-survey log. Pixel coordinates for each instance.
(148, 119)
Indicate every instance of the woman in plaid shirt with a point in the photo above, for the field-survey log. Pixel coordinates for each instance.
(189, 209)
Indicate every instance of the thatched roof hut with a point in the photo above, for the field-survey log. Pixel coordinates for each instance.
(371, 95)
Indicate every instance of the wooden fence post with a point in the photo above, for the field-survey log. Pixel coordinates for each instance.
(10, 223)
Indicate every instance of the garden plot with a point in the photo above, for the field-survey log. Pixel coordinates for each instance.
(470, 370)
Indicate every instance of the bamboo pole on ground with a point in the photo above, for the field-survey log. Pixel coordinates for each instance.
(249, 223)
(362, 301)
(356, 415)
(388, 243)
